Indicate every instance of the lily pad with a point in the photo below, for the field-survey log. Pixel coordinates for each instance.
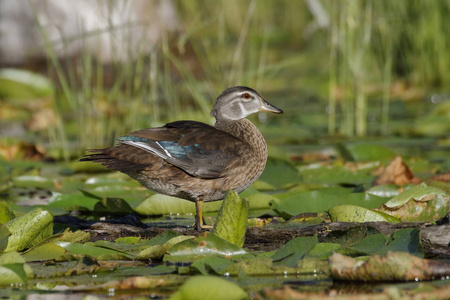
(421, 192)
(353, 213)
(280, 173)
(232, 219)
(23, 84)
(322, 200)
(206, 244)
(209, 288)
(29, 229)
(362, 152)
(295, 250)
(6, 213)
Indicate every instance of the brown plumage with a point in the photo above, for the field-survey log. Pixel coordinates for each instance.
(193, 160)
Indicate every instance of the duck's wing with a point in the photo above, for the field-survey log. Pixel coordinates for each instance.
(197, 148)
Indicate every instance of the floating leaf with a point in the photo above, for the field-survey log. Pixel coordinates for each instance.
(264, 266)
(404, 240)
(322, 200)
(353, 213)
(113, 205)
(13, 269)
(421, 192)
(395, 266)
(71, 201)
(97, 252)
(209, 288)
(157, 251)
(362, 152)
(334, 175)
(28, 181)
(384, 190)
(29, 229)
(211, 264)
(232, 219)
(206, 244)
(48, 251)
(23, 84)
(295, 250)
(279, 173)
(6, 213)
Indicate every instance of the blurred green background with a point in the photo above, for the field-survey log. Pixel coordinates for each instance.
(339, 69)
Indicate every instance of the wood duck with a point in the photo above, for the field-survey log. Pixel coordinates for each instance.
(193, 160)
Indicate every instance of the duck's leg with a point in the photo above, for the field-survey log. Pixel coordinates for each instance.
(198, 214)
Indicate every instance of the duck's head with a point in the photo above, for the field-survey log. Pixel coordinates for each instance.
(238, 102)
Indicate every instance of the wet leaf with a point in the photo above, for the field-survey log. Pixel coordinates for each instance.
(264, 266)
(232, 219)
(322, 200)
(113, 205)
(362, 152)
(420, 192)
(13, 269)
(395, 266)
(29, 229)
(405, 240)
(72, 201)
(279, 173)
(28, 181)
(206, 244)
(6, 213)
(157, 251)
(4, 237)
(23, 84)
(323, 250)
(97, 252)
(384, 190)
(419, 203)
(209, 287)
(334, 175)
(353, 213)
(48, 251)
(212, 265)
(295, 250)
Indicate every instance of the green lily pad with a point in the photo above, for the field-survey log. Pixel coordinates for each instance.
(209, 288)
(280, 173)
(13, 269)
(384, 190)
(47, 251)
(93, 251)
(157, 251)
(211, 264)
(353, 213)
(23, 84)
(36, 181)
(403, 240)
(72, 201)
(206, 244)
(322, 200)
(295, 250)
(29, 229)
(6, 213)
(420, 203)
(421, 192)
(362, 152)
(232, 219)
(334, 174)
(113, 205)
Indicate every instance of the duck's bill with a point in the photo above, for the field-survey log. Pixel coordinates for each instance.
(266, 106)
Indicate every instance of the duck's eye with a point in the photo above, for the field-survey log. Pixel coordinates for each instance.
(247, 96)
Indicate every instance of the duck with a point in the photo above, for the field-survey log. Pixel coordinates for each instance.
(193, 160)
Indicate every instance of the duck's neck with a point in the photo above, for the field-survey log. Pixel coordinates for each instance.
(246, 131)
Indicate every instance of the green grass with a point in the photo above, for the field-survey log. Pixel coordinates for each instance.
(369, 46)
